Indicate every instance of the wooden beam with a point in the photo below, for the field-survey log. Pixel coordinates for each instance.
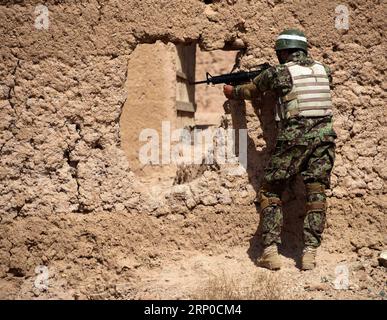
(181, 75)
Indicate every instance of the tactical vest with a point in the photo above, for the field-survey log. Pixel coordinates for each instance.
(310, 95)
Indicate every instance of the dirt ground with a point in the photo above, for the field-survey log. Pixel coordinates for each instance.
(125, 256)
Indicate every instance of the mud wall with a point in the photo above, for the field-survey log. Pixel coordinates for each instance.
(63, 88)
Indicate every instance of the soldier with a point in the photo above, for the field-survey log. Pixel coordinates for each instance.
(305, 144)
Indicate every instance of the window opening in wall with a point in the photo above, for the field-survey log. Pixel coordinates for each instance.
(159, 91)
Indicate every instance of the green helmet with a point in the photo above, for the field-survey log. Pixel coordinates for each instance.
(291, 39)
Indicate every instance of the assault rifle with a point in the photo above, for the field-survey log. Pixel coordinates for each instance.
(234, 78)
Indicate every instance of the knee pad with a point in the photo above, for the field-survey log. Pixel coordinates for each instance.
(316, 206)
(315, 188)
(266, 200)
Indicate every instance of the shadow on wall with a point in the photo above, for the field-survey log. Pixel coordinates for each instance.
(294, 193)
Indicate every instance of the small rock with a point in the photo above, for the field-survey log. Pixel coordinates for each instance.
(209, 200)
(317, 287)
(362, 276)
(363, 287)
(224, 197)
(119, 207)
(374, 263)
(191, 203)
(354, 287)
(383, 258)
(148, 296)
(358, 266)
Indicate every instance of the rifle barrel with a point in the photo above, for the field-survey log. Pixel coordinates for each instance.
(199, 82)
(234, 78)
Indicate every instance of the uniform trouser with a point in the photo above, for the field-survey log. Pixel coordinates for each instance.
(314, 160)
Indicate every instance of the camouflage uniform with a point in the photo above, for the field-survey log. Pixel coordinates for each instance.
(305, 145)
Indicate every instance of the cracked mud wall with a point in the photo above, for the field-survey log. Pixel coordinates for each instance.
(62, 91)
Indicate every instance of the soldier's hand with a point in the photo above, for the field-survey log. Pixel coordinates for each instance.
(228, 90)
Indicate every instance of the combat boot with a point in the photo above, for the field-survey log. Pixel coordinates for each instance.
(270, 258)
(309, 258)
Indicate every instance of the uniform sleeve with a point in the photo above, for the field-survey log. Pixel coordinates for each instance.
(264, 82)
(329, 73)
(246, 91)
(275, 79)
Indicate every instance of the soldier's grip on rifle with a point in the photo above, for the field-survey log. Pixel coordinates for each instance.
(248, 91)
(228, 90)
